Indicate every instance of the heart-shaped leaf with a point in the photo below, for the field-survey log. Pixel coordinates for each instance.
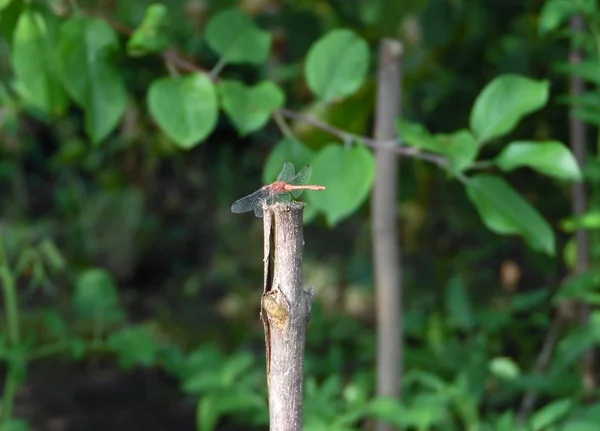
(506, 212)
(90, 76)
(234, 36)
(503, 103)
(286, 150)
(348, 175)
(185, 108)
(250, 107)
(35, 64)
(337, 64)
(550, 157)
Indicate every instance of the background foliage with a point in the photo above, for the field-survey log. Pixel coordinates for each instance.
(131, 292)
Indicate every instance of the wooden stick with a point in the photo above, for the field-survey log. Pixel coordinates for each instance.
(284, 312)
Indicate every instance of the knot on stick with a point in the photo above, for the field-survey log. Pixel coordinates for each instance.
(277, 308)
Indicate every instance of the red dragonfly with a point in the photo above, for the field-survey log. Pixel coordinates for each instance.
(287, 183)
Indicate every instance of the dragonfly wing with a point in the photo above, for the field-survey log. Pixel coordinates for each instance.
(287, 173)
(284, 197)
(271, 200)
(268, 201)
(301, 179)
(250, 202)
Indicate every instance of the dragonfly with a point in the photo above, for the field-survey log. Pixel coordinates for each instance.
(288, 183)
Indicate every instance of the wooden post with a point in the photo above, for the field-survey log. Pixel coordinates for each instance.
(285, 312)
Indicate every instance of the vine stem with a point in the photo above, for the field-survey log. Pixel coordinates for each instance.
(11, 306)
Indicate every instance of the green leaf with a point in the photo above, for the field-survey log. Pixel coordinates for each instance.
(527, 301)
(96, 295)
(250, 107)
(287, 150)
(16, 425)
(234, 402)
(505, 368)
(416, 135)
(507, 422)
(149, 37)
(552, 158)
(4, 3)
(236, 38)
(576, 343)
(459, 147)
(503, 103)
(52, 256)
(583, 418)
(587, 69)
(56, 324)
(583, 287)
(134, 345)
(504, 211)
(185, 108)
(89, 75)
(580, 425)
(554, 13)
(336, 65)
(590, 220)
(570, 253)
(207, 413)
(77, 348)
(348, 175)
(203, 382)
(458, 303)
(588, 115)
(35, 64)
(550, 414)
(237, 366)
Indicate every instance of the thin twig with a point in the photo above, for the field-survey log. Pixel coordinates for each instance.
(216, 70)
(175, 58)
(394, 145)
(541, 364)
(284, 127)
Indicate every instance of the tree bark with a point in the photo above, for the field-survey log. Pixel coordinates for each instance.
(386, 249)
(285, 310)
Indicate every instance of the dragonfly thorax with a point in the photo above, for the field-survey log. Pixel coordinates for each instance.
(278, 187)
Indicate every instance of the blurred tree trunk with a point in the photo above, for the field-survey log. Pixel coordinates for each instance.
(386, 249)
(579, 202)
